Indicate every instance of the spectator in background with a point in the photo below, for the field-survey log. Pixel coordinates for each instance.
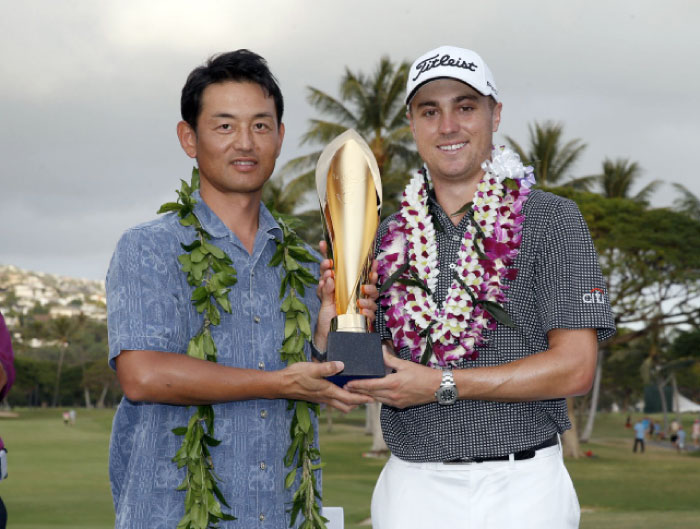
(680, 444)
(7, 378)
(695, 434)
(639, 432)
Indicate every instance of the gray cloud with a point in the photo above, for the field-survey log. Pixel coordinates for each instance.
(90, 93)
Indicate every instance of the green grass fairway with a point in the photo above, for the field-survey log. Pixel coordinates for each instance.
(58, 474)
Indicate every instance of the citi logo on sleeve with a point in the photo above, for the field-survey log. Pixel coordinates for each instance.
(596, 295)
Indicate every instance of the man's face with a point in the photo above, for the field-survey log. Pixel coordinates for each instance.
(453, 126)
(237, 140)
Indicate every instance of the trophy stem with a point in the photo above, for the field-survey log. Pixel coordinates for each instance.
(349, 323)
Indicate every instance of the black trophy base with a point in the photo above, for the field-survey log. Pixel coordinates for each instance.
(361, 352)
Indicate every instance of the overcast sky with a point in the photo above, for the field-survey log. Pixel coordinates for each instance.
(89, 93)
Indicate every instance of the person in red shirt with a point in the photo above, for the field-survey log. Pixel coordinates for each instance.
(7, 378)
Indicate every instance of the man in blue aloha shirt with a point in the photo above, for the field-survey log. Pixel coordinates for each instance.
(232, 124)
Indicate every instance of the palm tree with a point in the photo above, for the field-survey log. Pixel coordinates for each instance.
(617, 179)
(552, 160)
(688, 202)
(373, 106)
(63, 330)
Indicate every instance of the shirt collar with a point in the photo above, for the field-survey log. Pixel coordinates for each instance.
(215, 227)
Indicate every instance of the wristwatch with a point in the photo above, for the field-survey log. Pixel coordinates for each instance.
(447, 394)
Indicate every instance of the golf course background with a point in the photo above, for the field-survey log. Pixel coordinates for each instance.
(58, 474)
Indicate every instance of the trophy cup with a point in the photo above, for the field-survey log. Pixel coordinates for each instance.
(350, 192)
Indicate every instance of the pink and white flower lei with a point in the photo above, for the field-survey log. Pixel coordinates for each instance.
(456, 328)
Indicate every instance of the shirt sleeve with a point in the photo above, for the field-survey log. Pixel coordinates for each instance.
(569, 287)
(7, 357)
(145, 305)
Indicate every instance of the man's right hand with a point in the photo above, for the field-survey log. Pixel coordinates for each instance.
(306, 381)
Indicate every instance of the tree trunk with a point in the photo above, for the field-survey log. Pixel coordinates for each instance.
(661, 384)
(378, 444)
(86, 392)
(570, 437)
(675, 406)
(588, 429)
(329, 419)
(58, 375)
(101, 401)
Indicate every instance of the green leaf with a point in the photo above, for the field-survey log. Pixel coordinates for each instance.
(189, 247)
(498, 313)
(414, 282)
(301, 254)
(302, 415)
(392, 278)
(290, 325)
(510, 183)
(214, 250)
(290, 263)
(428, 352)
(214, 314)
(180, 430)
(169, 206)
(199, 293)
(303, 322)
(464, 209)
(289, 479)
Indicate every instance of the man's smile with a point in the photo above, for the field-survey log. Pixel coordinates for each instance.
(452, 146)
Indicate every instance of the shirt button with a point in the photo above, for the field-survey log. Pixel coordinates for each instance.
(263, 413)
(263, 466)
(261, 517)
(256, 319)
(452, 265)
(455, 238)
(261, 365)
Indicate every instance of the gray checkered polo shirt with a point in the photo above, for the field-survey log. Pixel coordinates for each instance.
(557, 273)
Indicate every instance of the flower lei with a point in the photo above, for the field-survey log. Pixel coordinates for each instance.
(210, 271)
(408, 265)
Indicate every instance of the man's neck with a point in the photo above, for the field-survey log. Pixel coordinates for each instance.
(453, 194)
(238, 211)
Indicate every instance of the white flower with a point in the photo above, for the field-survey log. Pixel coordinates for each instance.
(505, 164)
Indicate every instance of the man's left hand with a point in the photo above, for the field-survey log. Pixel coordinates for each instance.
(409, 385)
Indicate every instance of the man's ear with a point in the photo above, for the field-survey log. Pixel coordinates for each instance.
(188, 138)
(281, 139)
(497, 116)
(409, 117)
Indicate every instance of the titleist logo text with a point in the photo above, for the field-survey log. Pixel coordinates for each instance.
(435, 61)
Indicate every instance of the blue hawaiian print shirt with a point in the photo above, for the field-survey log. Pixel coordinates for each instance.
(149, 308)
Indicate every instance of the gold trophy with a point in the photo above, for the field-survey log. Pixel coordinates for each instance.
(350, 192)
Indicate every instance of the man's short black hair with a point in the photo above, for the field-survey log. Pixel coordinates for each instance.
(239, 66)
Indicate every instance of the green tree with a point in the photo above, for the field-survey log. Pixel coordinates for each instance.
(618, 178)
(551, 158)
(688, 202)
(373, 106)
(62, 330)
(651, 259)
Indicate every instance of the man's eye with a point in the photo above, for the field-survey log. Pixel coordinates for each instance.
(225, 126)
(261, 126)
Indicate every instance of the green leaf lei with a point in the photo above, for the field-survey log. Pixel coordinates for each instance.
(210, 271)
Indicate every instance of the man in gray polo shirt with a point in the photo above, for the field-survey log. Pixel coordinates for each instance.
(492, 308)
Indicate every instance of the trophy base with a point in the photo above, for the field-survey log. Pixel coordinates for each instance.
(360, 352)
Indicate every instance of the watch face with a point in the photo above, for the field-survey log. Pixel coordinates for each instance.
(447, 395)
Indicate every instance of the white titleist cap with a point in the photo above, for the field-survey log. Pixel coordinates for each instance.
(448, 62)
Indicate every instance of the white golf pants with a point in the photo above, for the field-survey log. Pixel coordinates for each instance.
(532, 493)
